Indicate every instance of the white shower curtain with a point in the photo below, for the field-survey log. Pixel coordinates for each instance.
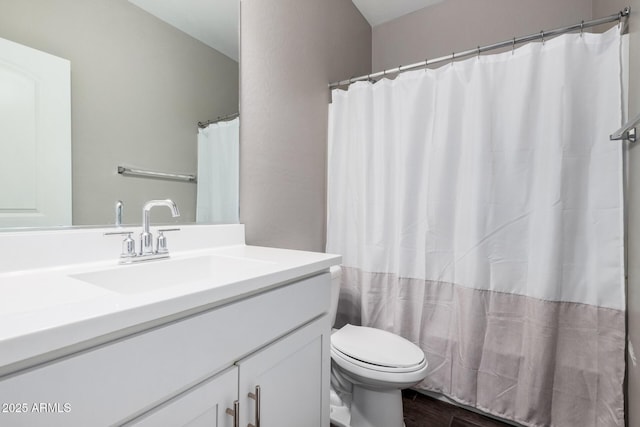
(478, 208)
(218, 191)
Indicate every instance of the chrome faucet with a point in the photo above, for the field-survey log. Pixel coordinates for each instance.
(129, 254)
(146, 238)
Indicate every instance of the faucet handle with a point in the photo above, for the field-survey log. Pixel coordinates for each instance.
(161, 241)
(128, 244)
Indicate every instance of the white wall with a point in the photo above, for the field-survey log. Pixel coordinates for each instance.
(290, 51)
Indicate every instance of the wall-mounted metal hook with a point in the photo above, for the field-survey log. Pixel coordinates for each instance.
(627, 131)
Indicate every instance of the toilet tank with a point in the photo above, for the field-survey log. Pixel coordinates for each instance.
(336, 275)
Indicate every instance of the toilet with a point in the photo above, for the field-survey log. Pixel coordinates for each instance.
(369, 367)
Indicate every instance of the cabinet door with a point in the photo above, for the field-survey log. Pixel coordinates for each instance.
(203, 405)
(293, 379)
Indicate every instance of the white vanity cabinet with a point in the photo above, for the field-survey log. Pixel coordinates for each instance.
(286, 381)
(281, 385)
(190, 370)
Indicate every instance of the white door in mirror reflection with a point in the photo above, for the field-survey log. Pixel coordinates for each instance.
(35, 137)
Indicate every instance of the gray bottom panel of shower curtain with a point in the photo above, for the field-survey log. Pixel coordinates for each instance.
(536, 362)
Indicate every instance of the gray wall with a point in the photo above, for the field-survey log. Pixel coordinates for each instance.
(290, 51)
(633, 287)
(138, 88)
(458, 25)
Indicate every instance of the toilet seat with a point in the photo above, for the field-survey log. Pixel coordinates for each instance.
(377, 350)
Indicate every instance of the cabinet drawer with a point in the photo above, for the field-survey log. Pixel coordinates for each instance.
(115, 381)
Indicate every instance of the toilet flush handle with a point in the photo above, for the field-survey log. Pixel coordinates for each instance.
(256, 396)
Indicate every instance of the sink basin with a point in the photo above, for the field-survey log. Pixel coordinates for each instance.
(152, 275)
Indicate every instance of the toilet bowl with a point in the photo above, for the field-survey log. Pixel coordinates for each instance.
(369, 367)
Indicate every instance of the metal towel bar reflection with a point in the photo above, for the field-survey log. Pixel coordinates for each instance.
(122, 170)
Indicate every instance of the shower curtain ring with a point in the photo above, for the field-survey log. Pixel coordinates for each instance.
(513, 46)
(619, 19)
(478, 52)
(542, 32)
(426, 61)
(453, 58)
(581, 28)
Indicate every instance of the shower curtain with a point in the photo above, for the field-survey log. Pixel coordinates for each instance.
(478, 208)
(218, 191)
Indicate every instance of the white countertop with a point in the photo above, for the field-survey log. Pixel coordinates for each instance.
(49, 312)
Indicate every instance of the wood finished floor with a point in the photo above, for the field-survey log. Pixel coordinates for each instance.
(424, 411)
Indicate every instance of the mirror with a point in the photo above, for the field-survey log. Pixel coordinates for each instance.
(139, 87)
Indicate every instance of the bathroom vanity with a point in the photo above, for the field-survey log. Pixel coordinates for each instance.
(220, 334)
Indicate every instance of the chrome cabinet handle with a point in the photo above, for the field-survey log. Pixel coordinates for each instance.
(235, 413)
(256, 396)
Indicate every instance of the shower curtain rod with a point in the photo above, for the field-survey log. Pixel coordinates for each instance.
(481, 49)
(203, 125)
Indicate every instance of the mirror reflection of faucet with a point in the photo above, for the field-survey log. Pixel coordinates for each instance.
(119, 209)
(147, 251)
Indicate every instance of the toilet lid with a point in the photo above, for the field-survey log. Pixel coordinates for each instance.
(376, 347)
